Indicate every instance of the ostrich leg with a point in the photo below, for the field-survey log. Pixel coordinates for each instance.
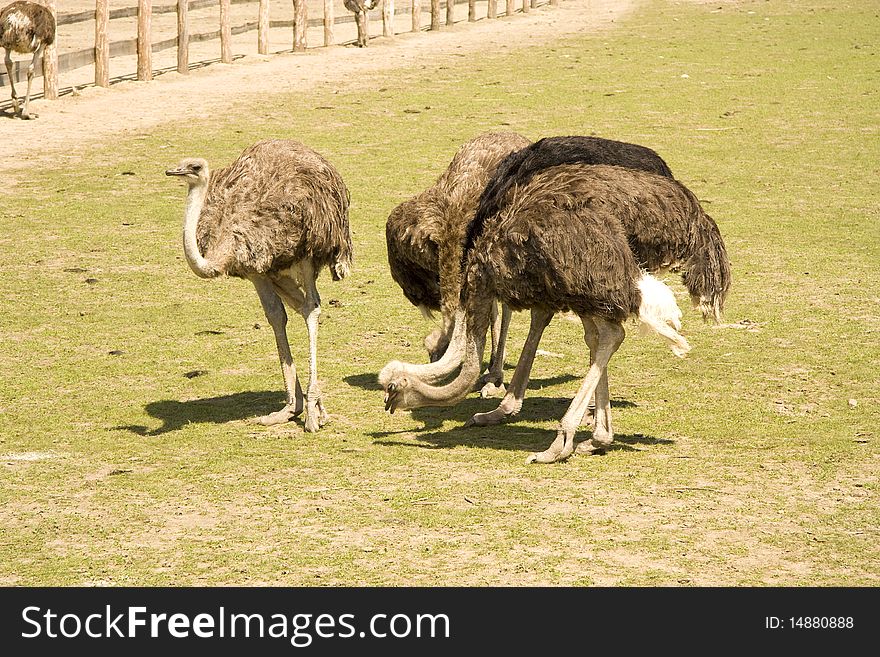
(277, 317)
(602, 431)
(316, 415)
(610, 336)
(25, 114)
(493, 380)
(8, 60)
(512, 402)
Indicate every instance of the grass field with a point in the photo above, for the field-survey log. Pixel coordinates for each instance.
(752, 462)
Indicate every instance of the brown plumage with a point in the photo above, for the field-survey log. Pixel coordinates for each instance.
(276, 216)
(25, 27)
(557, 243)
(279, 203)
(669, 231)
(425, 235)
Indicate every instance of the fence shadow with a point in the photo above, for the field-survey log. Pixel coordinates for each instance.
(216, 410)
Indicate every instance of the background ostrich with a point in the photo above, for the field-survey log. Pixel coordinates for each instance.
(425, 237)
(557, 244)
(276, 216)
(25, 27)
(360, 9)
(516, 169)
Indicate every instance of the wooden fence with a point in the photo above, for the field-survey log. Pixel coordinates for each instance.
(143, 46)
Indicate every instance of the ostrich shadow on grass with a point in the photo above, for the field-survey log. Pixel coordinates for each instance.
(370, 380)
(510, 435)
(176, 414)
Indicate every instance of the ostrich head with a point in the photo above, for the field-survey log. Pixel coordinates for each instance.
(399, 393)
(436, 343)
(193, 170)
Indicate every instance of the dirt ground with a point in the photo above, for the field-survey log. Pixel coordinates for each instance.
(70, 124)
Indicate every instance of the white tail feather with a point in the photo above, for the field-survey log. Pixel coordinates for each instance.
(660, 312)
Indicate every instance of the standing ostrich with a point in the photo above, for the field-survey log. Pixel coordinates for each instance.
(276, 216)
(360, 9)
(425, 239)
(25, 27)
(516, 169)
(558, 244)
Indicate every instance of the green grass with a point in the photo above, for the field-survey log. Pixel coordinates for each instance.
(742, 465)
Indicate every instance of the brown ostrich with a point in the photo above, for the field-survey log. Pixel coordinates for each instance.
(276, 216)
(25, 27)
(414, 239)
(558, 244)
(689, 243)
(360, 9)
(425, 237)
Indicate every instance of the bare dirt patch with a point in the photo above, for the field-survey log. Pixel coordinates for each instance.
(73, 123)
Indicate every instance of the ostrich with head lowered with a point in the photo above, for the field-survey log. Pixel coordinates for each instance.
(425, 237)
(560, 243)
(276, 216)
(425, 234)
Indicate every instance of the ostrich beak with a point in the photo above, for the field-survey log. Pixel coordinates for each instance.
(179, 171)
(390, 398)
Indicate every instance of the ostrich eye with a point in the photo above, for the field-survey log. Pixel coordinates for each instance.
(196, 167)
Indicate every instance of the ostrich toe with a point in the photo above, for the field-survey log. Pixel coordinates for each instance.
(594, 445)
(286, 414)
(316, 416)
(487, 419)
(561, 448)
(490, 389)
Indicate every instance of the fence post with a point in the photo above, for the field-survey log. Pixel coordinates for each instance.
(329, 20)
(435, 14)
(554, 3)
(388, 18)
(472, 11)
(299, 25)
(50, 64)
(263, 28)
(102, 43)
(416, 15)
(450, 12)
(225, 33)
(534, 3)
(144, 46)
(511, 8)
(182, 36)
(492, 9)
(526, 6)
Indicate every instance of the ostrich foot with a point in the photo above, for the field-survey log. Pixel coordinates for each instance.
(31, 115)
(595, 445)
(286, 414)
(491, 389)
(488, 419)
(316, 416)
(561, 448)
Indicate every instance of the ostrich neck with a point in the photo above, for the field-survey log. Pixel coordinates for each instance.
(457, 389)
(195, 201)
(460, 386)
(451, 359)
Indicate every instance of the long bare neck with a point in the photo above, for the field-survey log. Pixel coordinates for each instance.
(457, 389)
(477, 326)
(453, 357)
(195, 201)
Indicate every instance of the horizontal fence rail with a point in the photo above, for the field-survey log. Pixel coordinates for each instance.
(85, 57)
